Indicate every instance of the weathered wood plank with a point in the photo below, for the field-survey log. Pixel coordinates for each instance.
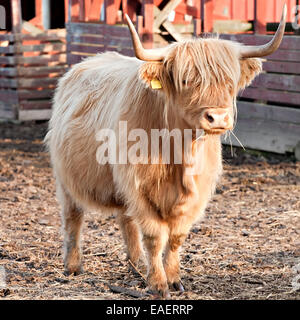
(28, 83)
(8, 71)
(288, 42)
(35, 94)
(10, 96)
(252, 110)
(85, 48)
(277, 81)
(185, 28)
(124, 51)
(16, 15)
(266, 133)
(95, 40)
(6, 113)
(110, 45)
(45, 47)
(271, 95)
(160, 14)
(285, 55)
(98, 28)
(75, 58)
(282, 67)
(31, 28)
(40, 37)
(36, 83)
(288, 50)
(8, 49)
(58, 32)
(172, 31)
(267, 136)
(41, 60)
(8, 83)
(7, 60)
(27, 115)
(120, 42)
(7, 37)
(41, 71)
(35, 104)
(88, 39)
(164, 13)
(231, 26)
(36, 60)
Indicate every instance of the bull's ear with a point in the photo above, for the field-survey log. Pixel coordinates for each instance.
(250, 68)
(152, 74)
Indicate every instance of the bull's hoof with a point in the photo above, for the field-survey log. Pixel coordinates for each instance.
(73, 271)
(160, 294)
(176, 286)
(160, 291)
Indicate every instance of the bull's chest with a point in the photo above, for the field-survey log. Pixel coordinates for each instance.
(187, 189)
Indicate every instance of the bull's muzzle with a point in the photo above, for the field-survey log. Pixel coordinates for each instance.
(216, 120)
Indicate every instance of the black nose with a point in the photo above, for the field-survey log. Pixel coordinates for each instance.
(209, 117)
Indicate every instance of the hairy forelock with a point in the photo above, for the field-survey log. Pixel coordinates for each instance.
(204, 65)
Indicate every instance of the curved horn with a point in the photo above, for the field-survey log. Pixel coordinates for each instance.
(270, 47)
(140, 52)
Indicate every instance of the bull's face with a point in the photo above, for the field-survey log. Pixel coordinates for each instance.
(201, 78)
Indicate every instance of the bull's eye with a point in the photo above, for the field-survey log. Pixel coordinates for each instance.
(184, 82)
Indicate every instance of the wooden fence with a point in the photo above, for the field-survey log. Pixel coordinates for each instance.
(29, 69)
(88, 39)
(268, 111)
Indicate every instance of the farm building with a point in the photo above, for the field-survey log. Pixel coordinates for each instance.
(41, 40)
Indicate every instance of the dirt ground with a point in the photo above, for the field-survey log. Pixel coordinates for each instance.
(247, 247)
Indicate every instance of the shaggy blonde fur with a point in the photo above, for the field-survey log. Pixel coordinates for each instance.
(158, 201)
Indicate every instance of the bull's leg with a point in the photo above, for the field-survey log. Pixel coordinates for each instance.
(72, 218)
(172, 261)
(155, 243)
(178, 232)
(131, 235)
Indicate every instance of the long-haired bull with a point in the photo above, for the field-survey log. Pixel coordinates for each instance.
(187, 85)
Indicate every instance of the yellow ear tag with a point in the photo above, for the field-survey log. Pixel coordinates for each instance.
(155, 84)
